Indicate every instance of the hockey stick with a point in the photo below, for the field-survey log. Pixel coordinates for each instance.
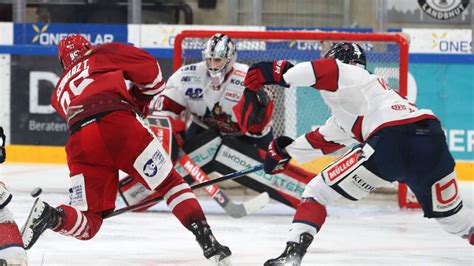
(204, 184)
(236, 210)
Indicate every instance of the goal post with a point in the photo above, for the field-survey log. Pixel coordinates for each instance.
(301, 110)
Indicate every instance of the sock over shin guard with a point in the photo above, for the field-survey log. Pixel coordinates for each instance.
(309, 218)
(181, 200)
(80, 225)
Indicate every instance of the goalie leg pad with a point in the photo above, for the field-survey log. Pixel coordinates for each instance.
(234, 155)
(349, 177)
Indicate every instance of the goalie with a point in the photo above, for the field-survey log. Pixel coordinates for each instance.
(396, 142)
(227, 123)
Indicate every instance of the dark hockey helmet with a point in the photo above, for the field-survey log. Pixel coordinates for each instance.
(71, 48)
(349, 53)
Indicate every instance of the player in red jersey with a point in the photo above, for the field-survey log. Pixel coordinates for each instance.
(107, 135)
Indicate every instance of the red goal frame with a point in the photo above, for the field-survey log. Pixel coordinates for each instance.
(398, 38)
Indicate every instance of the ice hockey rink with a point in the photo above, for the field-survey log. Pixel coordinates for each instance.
(372, 232)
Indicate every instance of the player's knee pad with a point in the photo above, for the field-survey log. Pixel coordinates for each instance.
(80, 225)
(349, 177)
(439, 200)
(320, 191)
(460, 223)
(153, 164)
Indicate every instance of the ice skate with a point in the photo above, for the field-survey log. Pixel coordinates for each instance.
(293, 253)
(212, 249)
(42, 216)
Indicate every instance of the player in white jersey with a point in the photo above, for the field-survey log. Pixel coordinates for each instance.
(394, 141)
(212, 91)
(11, 244)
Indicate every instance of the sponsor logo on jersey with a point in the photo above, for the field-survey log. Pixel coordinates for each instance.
(237, 82)
(232, 96)
(240, 73)
(189, 68)
(442, 9)
(191, 79)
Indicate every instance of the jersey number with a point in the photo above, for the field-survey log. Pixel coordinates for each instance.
(195, 93)
(76, 90)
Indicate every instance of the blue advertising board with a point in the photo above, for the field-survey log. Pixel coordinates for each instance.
(50, 34)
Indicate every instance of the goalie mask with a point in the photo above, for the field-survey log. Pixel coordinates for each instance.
(349, 53)
(72, 48)
(220, 56)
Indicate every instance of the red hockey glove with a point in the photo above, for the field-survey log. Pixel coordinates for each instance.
(266, 73)
(277, 159)
(253, 111)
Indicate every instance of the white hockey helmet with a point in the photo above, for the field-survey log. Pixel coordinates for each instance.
(220, 55)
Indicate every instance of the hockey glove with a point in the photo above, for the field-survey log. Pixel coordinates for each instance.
(3, 152)
(277, 158)
(266, 73)
(253, 111)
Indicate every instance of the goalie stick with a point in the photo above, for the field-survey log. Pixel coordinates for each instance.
(204, 184)
(235, 210)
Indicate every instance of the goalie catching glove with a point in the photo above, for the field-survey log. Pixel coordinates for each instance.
(253, 111)
(267, 73)
(277, 159)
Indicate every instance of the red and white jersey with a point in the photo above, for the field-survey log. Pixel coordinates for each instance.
(96, 83)
(361, 103)
(189, 88)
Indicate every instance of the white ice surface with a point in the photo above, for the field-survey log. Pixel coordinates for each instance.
(365, 233)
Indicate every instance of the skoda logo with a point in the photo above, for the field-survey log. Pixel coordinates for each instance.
(443, 9)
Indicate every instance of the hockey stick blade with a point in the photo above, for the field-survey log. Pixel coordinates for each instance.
(233, 209)
(200, 185)
(239, 210)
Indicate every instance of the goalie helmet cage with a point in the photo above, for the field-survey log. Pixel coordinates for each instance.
(302, 110)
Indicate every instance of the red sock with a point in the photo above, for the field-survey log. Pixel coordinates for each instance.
(310, 212)
(181, 199)
(81, 225)
(10, 235)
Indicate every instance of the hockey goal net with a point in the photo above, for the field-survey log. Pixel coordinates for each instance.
(300, 110)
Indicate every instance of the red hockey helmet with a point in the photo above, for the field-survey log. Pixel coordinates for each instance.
(72, 48)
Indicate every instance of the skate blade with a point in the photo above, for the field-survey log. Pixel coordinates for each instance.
(35, 213)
